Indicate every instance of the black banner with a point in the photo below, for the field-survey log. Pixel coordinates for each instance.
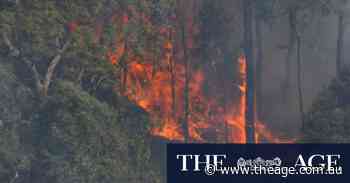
(273, 163)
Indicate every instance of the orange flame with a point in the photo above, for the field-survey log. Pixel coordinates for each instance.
(160, 92)
(208, 120)
(115, 56)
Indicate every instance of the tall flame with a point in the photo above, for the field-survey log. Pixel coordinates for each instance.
(239, 120)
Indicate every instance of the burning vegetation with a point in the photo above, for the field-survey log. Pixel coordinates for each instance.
(175, 92)
(161, 94)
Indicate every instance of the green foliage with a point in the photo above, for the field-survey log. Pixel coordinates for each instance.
(328, 119)
(70, 136)
(15, 102)
(83, 140)
(40, 28)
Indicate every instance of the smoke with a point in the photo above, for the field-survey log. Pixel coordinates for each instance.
(318, 30)
(319, 44)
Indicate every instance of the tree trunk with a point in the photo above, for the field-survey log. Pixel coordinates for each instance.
(14, 52)
(173, 85)
(187, 83)
(248, 51)
(291, 44)
(80, 76)
(124, 66)
(299, 77)
(155, 60)
(50, 70)
(259, 65)
(340, 43)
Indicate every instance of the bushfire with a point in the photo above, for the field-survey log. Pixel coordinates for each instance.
(161, 94)
(161, 91)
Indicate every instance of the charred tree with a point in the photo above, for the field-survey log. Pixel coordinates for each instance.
(340, 43)
(248, 51)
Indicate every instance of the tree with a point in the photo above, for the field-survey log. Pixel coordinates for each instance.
(42, 34)
(292, 16)
(248, 51)
(19, 23)
(263, 14)
(299, 79)
(185, 121)
(340, 42)
(38, 34)
(340, 35)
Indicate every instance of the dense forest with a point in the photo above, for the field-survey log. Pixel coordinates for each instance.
(92, 90)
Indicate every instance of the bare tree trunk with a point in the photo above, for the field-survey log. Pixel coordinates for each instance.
(286, 85)
(185, 122)
(37, 78)
(13, 50)
(173, 90)
(248, 51)
(299, 77)
(259, 65)
(340, 43)
(173, 84)
(50, 70)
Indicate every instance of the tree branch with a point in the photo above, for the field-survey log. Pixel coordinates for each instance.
(14, 52)
(53, 64)
(37, 78)
(41, 85)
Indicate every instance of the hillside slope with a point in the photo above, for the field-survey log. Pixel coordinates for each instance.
(70, 136)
